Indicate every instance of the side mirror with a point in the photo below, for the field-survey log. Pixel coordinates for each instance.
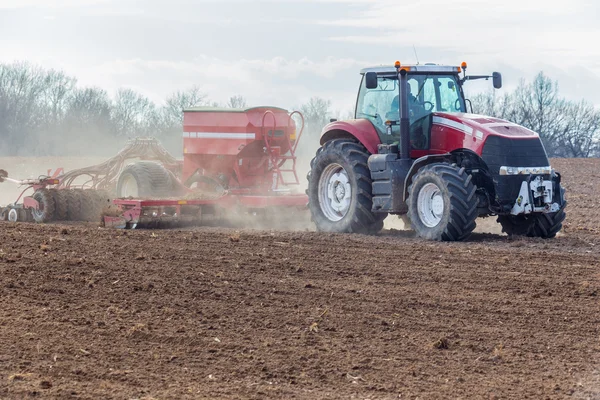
(497, 78)
(371, 80)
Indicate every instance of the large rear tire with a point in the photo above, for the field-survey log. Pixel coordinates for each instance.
(45, 211)
(144, 179)
(544, 226)
(339, 189)
(442, 204)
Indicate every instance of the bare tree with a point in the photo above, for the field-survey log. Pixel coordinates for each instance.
(133, 114)
(567, 128)
(237, 101)
(172, 111)
(316, 114)
(58, 87)
(581, 132)
(21, 90)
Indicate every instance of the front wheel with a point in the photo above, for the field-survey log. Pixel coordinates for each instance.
(544, 226)
(442, 204)
(339, 189)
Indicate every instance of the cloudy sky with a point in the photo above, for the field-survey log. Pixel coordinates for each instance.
(282, 52)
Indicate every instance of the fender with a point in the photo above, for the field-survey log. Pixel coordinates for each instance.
(418, 164)
(359, 129)
(455, 156)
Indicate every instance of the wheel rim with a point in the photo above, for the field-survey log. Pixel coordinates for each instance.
(129, 186)
(13, 215)
(430, 205)
(335, 192)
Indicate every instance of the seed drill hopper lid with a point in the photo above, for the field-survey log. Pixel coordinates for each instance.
(233, 110)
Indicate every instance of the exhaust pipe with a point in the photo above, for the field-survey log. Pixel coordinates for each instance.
(404, 118)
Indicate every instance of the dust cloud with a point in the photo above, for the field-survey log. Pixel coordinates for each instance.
(34, 167)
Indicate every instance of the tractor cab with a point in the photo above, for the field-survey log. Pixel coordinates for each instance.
(430, 88)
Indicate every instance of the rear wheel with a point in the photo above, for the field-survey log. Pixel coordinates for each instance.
(144, 179)
(46, 206)
(441, 203)
(339, 189)
(544, 226)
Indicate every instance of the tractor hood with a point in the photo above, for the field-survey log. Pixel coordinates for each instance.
(471, 131)
(480, 126)
(499, 143)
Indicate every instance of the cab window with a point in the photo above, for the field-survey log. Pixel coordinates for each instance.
(382, 104)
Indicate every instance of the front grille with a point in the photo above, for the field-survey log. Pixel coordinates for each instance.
(500, 151)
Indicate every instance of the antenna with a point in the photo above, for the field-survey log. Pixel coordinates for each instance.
(416, 56)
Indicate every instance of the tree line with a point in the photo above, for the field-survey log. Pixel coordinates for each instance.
(44, 112)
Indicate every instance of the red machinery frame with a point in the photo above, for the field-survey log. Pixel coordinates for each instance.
(253, 169)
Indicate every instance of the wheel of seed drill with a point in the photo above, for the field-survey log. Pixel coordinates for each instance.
(60, 204)
(89, 205)
(13, 215)
(4, 214)
(144, 179)
(73, 205)
(46, 206)
(102, 198)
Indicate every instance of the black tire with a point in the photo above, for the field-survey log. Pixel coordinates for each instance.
(544, 226)
(60, 204)
(103, 199)
(377, 226)
(457, 212)
(45, 212)
(352, 158)
(90, 210)
(74, 205)
(152, 179)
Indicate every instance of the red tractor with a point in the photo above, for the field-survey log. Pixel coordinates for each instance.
(413, 150)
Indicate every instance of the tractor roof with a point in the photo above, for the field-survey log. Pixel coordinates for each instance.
(427, 68)
(231, 110)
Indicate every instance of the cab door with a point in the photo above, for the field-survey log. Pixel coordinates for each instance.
(379, 105)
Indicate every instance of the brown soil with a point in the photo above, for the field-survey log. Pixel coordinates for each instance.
(91, 313)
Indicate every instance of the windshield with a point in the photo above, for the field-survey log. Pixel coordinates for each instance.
(426, 94)
(441, 91)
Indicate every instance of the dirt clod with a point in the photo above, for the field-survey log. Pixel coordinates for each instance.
(45, 384)
(441, 343)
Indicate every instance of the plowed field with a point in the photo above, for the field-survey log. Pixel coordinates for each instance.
(94, 313)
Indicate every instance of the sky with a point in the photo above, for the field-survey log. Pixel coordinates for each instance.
(283, 52)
